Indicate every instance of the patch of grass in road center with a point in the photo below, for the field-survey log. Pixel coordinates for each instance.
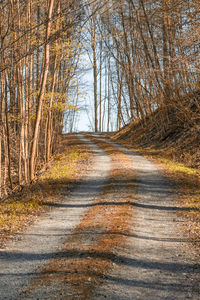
(19, 210)
(89, 254)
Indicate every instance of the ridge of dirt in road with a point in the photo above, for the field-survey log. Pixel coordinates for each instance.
(89, 254)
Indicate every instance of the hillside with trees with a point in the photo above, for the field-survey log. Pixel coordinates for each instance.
(145, 60)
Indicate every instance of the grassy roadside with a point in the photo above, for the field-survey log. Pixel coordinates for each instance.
(66, 167)
(186, 181)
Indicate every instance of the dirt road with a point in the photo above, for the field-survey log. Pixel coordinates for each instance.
(158, 261)
(35, 247)
(117, 237)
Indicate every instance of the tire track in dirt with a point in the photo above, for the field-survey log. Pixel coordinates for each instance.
(158, 261)
(89, 254)
(36, 246)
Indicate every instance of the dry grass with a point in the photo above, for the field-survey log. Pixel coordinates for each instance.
(170, 132)
(66, 167)
(89, 254)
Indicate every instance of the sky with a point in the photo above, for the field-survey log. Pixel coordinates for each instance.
(84, 114)
(86, 111)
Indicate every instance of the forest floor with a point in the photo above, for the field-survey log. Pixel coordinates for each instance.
(120, 234)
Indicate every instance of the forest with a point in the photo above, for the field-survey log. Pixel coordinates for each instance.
(144, 56)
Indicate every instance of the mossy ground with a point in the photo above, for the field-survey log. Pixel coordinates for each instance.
(65, 168)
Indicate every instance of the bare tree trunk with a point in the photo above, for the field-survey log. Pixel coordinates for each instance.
(5, 175)
(105, 94)
(42, 92)
(8, 146)
(108, 107)
(100, 87)
(95, 82)
(165, 52)
(119, 109)
(49, 124)
(0, 165)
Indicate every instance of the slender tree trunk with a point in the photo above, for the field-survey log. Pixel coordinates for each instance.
(5, 176)
(108, 107)
(0, 166)
(165, 51)
(8, 145)
(42, 92)
(100, 87)
(119, 109)
(95, 84)
(49, 124)
(21, 133)
(105, 94)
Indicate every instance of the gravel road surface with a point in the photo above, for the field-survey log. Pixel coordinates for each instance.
(30, 249)
(157, 261)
